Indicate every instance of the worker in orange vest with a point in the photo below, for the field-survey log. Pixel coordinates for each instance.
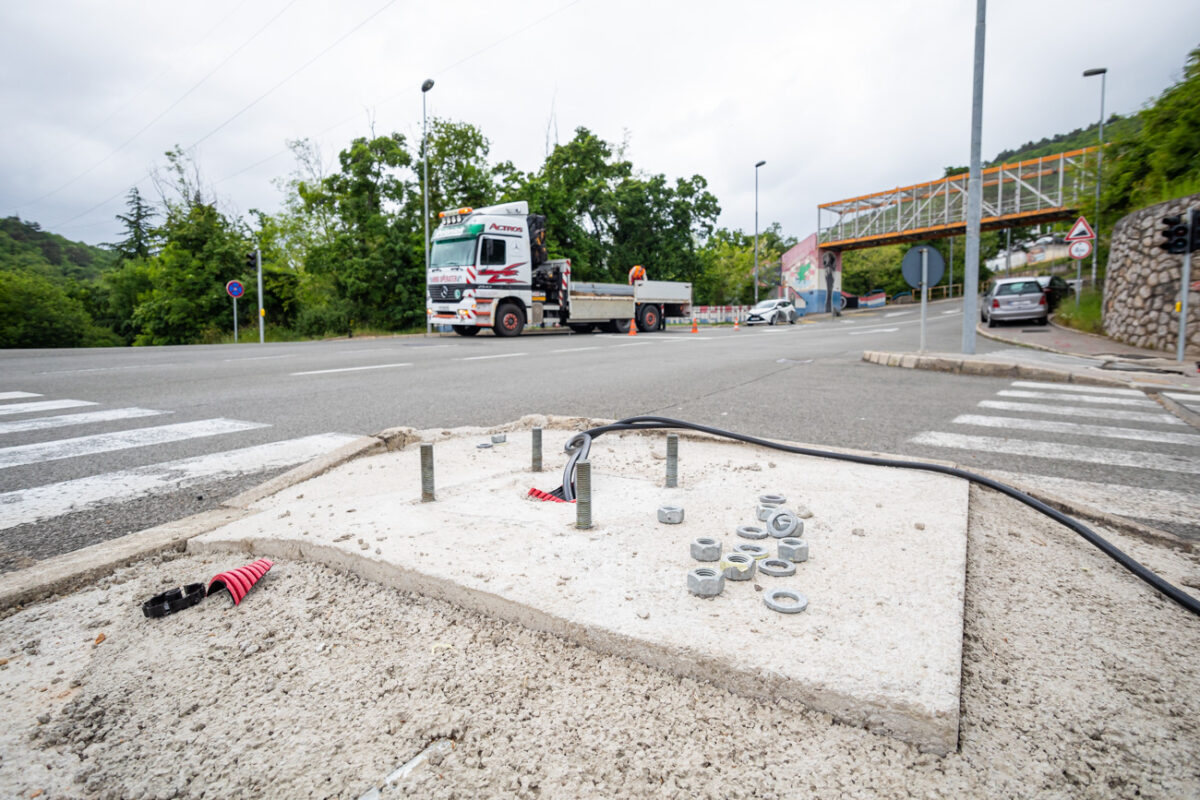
(637, 273)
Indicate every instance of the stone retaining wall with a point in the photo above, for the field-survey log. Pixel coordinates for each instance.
(1142, 284)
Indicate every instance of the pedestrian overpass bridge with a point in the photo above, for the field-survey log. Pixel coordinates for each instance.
(1045, 189)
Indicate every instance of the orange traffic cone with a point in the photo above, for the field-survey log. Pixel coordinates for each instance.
(694, 328)
(633, 327)
(735, 327)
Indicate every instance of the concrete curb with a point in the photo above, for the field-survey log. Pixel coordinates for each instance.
(365, 445)
(1176, 408)
(988, 334)
(964, 365)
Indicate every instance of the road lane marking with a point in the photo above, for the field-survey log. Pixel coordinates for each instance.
(16, 395)
(497, 355)
(1077, 429)
(1078, 398)
(43, 405)
(350, 369)
(1077, 388)
(952, 311)
(1162, 462)
(63, 420)
(576, 349)
(108, 442)
(874, 330)
(260, 358)
(52, 500)
(1083, 411)
(897, 313)
(1161, 505)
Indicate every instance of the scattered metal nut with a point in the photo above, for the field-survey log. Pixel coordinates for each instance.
(484, 445)
(785, 601)
(773, 499)
(783, 523)
(738, 567)
(499, 438)
(751, 532)
(755, 551)
(671, 515)
(706, 550)
(705, 582)
(776, 567)
(793, 550)
(763, 510)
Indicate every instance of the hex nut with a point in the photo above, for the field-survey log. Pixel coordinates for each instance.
(785, 601)
(773, 499)
(783, 523)
(706, 550)
(751, 532)
(776, 567)
(793, 550)
(738, 567)
(763, 510)
(484, 445)
(705, 582)
(499, 438)
(670, 515)
(755, 551)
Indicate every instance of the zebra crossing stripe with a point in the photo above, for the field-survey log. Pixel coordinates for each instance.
(87, 418)
(1077, 429)
(1077, 388)
(43, 405)
(121, 440)
(1159, 505)
(17, 395)
(1164, 462)
(1083, 411)
(42, 502)
(1078, 398)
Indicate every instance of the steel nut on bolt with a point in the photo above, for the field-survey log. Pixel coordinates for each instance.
(738, 567)
(795, 550)
(783, 523)
(755, 551)
(705, 582)
(763, 510)
(671, 515)
(706, 550)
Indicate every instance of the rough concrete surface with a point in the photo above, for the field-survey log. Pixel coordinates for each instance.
(1078, 681)
(878, 646)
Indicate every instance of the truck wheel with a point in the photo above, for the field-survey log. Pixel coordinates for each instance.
(648, 319)
(465, 330)
(509, 320)
(616, 326)
(581, 327)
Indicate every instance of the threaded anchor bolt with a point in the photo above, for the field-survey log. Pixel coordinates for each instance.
(427, 472)
(583, 495)
(672, 460)
(537, 449)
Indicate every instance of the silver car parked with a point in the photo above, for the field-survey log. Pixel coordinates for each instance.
(1014, 299)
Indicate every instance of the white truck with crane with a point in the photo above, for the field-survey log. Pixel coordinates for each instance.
(488, 269)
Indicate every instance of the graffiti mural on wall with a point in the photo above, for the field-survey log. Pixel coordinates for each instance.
(811, 276)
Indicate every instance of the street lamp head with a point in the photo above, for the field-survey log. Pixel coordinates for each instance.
(427, 85)
(1087, 73)
(759, 164)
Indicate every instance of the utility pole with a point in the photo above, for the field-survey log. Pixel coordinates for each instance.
(756, 166)
(425, 87)
(262, 312)
(1103, 73)
(974, 189)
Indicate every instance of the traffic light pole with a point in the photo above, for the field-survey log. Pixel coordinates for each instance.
(1184, 286)
(262, 313)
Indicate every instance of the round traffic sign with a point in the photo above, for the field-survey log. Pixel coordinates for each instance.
(1080, 249)
(235, 289)
(910, 267)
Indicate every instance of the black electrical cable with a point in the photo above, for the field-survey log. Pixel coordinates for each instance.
(579, 445)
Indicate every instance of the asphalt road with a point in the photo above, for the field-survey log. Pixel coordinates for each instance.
(803, 382)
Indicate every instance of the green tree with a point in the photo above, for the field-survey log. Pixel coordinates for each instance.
(139, 234)
(35, 312)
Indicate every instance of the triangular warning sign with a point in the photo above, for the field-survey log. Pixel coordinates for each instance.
(1081, 230)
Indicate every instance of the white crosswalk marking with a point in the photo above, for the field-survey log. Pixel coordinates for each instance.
(42, 405)
(1058, 451)
(1055, 426)
(43, 502)
(1079, 398)
(1160, 505)
(1079, 388)
(16, 395)
(1187, 399)
(65, 420)
(1082, 411)
(108, 442)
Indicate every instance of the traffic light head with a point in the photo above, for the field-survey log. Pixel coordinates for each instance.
(252, 259)
(1175, 235)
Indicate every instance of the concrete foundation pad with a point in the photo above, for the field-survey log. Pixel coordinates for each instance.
(879, 645)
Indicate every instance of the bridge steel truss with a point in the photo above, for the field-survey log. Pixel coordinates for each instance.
(1045, 189)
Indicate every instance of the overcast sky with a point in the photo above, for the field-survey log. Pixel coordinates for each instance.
(840, 98)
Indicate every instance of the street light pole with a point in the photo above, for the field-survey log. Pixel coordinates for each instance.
(756, 166)
(1103, 73)
(425, 87)
(974, 187)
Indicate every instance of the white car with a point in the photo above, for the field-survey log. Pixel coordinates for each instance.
(772, 312)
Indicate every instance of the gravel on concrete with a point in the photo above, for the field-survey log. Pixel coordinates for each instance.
(1078, 681)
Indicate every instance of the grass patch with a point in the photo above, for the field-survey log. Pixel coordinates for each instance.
(1083, 317)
